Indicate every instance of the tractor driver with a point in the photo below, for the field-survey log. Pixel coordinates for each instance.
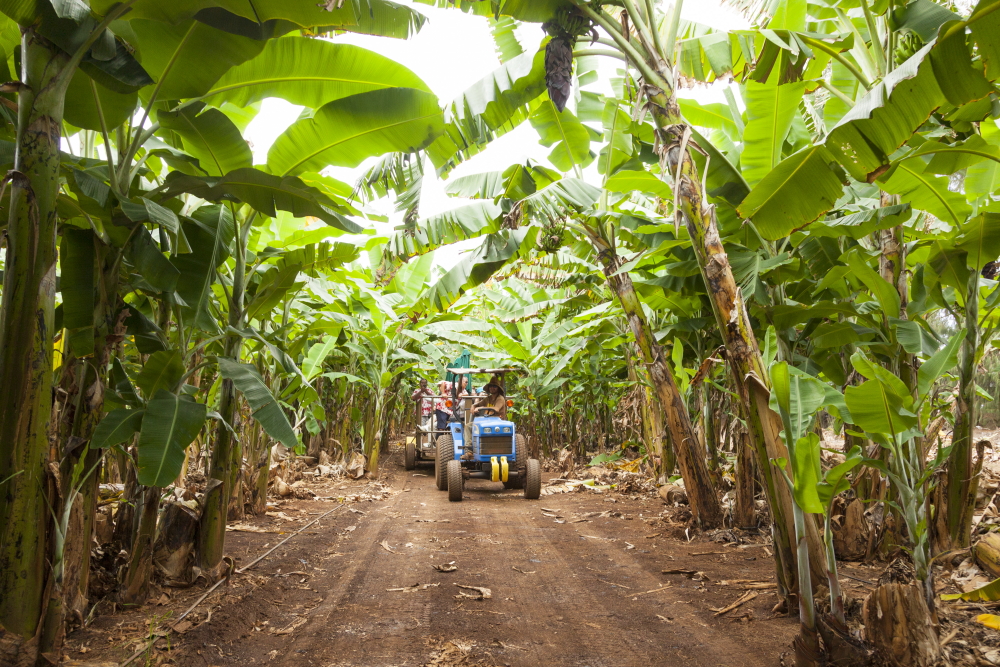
(494, 397)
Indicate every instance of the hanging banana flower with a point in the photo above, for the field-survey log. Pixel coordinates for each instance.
(564, 29)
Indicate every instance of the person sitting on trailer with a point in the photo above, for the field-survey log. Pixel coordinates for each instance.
(425, 396)
(441, 410)
(493, 397)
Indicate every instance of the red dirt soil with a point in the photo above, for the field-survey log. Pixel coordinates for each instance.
(582, 586)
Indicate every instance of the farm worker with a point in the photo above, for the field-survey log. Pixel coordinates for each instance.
(425, 396)
(440, 406)
(494, 398)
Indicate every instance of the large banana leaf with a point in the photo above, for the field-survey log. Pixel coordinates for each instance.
(884, 292)
(187, 59)
(983, 178)
(561, 197)
(77, 257)
(888, 115)
(569, 138)
(312, 365)
(266, 410)
(776, 210)
(319, 259)
(981, 240)
(145, 210)
(479, 265)
(210, 234)
(347, 131)
(117, 427)
(876, 408)
(706, 57)
(938, 364)
(310, 72)
(307, 14)
(861, 224)
(381, 17)
(638, 181)
(835, 108)
(170, 424)
(926, 192)
(147, 259)
(715, 116)
(272, 291)
(266, 193)
(83, 96)
(162, 370)
(464, 222)
(489, 109)
(209, 136)
(770, 110)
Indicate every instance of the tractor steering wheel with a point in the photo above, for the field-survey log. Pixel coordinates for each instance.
(486, 411)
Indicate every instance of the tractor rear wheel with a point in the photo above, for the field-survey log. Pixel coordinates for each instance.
(410, 455)
(533, 481)
(445, 453)
(519, 462)
(455, 481)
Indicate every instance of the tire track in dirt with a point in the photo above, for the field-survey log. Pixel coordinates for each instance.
(561, 614)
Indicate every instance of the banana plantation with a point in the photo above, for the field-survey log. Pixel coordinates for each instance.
(779, 309)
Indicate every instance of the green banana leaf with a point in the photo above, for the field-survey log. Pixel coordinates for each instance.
(266, 409)
(347, 131)
(169, 425)
(310, 72)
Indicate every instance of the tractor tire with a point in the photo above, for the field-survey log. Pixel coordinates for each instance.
(455, 481)
(519, 463)
(445, 453)
(533, 480)
(410, 456)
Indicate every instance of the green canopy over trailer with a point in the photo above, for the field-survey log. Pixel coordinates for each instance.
(464, 361)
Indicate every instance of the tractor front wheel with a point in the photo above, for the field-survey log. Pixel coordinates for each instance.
(455, 481)
(533, 480)
(410, 456)
(445, 454)
(520, 458)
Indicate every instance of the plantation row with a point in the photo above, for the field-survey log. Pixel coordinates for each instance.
(702, 285)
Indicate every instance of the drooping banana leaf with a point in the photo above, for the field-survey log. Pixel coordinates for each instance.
(266, 410)
(169, 425)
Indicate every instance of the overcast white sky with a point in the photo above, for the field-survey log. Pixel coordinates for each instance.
(452, 52)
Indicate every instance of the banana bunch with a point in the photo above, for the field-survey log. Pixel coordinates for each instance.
(568, 22)
(550, 236)
(907, 43)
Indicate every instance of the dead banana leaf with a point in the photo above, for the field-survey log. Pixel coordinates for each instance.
(989, 620)
(411, 589)
(484, 593)
(988, 593)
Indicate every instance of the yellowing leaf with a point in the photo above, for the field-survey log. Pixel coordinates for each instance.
(988, 593)
(989, 620)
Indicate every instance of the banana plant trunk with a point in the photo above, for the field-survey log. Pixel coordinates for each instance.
(652, 424)
(960, 480)
(226, 453)
(140, 566)
(745, 361)
(705, 505)
(26, 330)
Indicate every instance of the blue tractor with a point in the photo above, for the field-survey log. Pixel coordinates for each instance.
(481, 445)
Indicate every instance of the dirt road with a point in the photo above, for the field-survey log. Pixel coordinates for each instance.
(574, 579)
